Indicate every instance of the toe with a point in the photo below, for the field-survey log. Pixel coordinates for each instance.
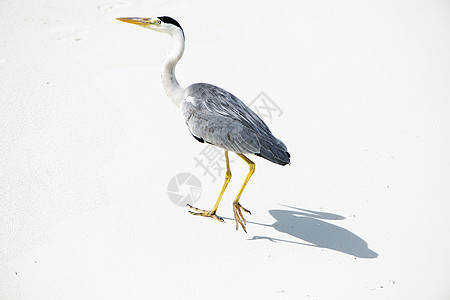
(195, 208)
(240, 220)
(217, 218)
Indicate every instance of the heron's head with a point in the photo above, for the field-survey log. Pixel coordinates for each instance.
(161, 24)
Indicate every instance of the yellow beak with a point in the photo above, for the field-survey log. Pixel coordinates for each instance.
(140, 21)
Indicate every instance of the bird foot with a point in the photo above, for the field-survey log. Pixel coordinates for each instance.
(240, 220)
(205, 213)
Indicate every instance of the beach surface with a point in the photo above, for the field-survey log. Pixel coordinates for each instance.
(96, 163)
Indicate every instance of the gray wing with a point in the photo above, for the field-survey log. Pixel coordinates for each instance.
(220, 118)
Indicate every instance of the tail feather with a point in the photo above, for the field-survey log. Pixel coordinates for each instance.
(274, 150)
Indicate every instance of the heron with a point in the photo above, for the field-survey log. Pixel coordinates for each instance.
(215, 116)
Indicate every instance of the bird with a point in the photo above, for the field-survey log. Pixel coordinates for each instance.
(215, 116)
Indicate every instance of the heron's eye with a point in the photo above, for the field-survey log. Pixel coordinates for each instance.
(157, 22)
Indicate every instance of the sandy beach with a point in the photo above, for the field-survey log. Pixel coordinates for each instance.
(96, 163)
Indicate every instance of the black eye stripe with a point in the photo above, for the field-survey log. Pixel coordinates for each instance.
(169, 20)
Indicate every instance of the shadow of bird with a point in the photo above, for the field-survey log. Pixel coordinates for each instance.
(309, 227)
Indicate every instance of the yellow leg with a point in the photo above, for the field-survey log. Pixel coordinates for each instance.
(237, 208)
(212, 213)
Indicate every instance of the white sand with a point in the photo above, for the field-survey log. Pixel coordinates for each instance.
(89, 143)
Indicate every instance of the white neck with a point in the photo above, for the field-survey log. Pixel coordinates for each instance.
(170, 83)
